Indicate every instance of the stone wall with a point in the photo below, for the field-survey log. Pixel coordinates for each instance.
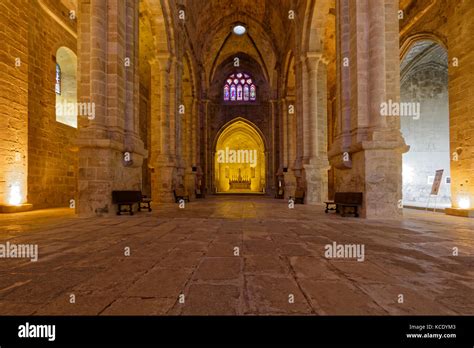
(13, 101)
(461, 99)
(52, 155)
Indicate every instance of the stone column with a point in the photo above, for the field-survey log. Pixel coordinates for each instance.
(191, 139)
(368, 77)
(271, 180)
(284, 135)
(208, 157)
(292, 136)
(162, 163)
(316, 163)
(104, 164)
(302, 142)
(200, 140)
(342, 130)
(176, 120)
(132, 142)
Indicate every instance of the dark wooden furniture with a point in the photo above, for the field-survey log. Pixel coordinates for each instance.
(344, 201)
(280, 194)
(299, 196)
(128, 199)
(331, 206)
(180, 194)
(199, 193)
(145, 203)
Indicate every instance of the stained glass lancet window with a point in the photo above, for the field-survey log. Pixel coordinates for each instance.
(57, 87)
(240, 87)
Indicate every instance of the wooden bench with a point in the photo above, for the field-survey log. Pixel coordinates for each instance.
(180, 194)
(280, 194)
(129, 199)
(343, 200)
(299, 196)
(199, 193)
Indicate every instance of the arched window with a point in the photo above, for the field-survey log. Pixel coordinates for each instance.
(240, 87)
(66, 87)
(226, 92)
(239, 92)
(253, 93)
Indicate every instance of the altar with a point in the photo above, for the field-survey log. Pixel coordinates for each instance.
(239, 185)
(240, 182)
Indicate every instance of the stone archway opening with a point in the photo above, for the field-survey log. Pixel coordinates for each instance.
(240, 159)
(424, 85)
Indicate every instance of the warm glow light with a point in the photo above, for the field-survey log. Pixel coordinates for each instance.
(15, 195)
(464, 203)
(240, 159)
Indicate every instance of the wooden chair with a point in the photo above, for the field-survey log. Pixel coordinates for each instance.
(199, 193)
(129, 199)
(180, 194)
(280, 194)
(343, 201)
(299, 196)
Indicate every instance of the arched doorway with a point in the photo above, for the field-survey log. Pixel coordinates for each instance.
(240, 159)
(424, 83)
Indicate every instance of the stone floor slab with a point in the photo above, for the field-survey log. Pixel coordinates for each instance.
(191, 252)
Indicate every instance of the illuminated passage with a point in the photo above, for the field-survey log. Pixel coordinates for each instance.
(239, 159)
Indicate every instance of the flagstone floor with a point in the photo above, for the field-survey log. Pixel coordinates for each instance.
(235, 255)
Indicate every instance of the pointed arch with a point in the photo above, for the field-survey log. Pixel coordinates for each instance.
(245, 122)
(240, 160)
(314, 25)
(410, 41)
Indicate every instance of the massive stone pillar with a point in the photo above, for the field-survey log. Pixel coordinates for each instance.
(293, 168)
(271, 181)
(192, 146)
(316, 164)
(207, 151)
(284, 135)
(367, 152)
(197, 139)
(110, 152)
(162, 160)
(461, 102)
(299, 136)
(179, 123)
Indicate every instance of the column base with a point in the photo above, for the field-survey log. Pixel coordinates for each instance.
(316, 181)
(8, 209)
(469, 213)
(190, 183)
(290, 185)
(163, 184)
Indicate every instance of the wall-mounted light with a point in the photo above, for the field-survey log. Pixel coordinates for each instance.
(464, 202)
(14, 197)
